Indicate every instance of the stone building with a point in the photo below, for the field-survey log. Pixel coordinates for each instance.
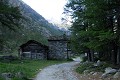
(33, 50)
(58, 47)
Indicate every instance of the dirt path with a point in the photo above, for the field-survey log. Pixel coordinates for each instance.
(58, 72)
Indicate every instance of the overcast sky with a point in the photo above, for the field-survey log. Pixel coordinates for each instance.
(49, 9)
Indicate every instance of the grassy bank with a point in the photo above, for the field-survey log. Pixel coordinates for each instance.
(29, 67)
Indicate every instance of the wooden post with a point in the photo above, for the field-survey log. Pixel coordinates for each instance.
(20, 53)
(30, 55)
(67, 51)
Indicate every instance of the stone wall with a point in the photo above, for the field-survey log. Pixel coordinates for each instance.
(57, 49)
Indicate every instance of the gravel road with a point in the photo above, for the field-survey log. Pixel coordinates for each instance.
(58, 72)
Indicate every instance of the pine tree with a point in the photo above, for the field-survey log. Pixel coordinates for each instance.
(9, 19)
(95, 28)
(9, 16)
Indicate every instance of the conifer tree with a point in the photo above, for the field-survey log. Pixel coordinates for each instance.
(96, 27)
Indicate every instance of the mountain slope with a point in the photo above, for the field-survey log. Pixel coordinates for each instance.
(35, 20)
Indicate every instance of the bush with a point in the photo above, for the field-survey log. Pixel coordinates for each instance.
(84, 59)
(83, 67)
(8, 58)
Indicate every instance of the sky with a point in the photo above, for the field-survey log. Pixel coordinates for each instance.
(50, 9)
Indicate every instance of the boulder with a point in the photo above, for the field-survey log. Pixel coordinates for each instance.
(116, 75)
(7, 76)
(109, 70)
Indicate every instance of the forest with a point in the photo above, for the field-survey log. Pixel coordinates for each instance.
(95, 28)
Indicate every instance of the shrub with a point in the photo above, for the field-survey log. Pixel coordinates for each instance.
(83, 66)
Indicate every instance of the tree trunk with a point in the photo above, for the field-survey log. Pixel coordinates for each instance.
(114, 54)
(92, 55)
(100, 55)
(118, 34)
(118, 56)
(89, 55)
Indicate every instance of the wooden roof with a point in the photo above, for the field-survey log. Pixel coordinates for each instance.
(32, 41)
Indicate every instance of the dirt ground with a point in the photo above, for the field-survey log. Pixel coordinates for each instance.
(62, 71)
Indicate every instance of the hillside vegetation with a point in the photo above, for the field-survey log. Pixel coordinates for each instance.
(30, 26)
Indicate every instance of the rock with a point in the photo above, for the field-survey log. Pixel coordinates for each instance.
(116, 75)
(19, 75)
(97, 73)
(86, 72)
(98, 63)
(104, 75)
(7, 76)
(109, 70)
(92, 72)
(119, 70)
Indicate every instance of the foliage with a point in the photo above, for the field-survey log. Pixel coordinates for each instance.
(83, 67)
(9, 22)
(9, 16)
(95, 25)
